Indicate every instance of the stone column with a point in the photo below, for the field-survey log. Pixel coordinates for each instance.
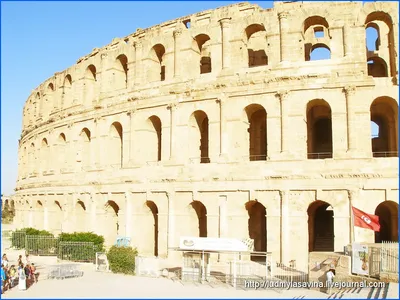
(285, 227)
(351, 119)
(172, 147)
(347, 40)
(171, 222)
(128, 214)
(283, 96)
(283, 35)
(138, 71)
(225, 25)
(223, 135)
(223, 226)
(93, 207)
(177, 47)
(46, 215)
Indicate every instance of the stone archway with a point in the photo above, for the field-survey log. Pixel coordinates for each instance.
(201, 212)
(257, 226)
(388, 212)
(154, 211)
(111, 228)
(320, 227)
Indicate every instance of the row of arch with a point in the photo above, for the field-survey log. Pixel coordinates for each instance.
(384, 116)
(316, 34)
(320, 221)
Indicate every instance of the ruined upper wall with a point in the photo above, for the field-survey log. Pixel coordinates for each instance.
(225, 34)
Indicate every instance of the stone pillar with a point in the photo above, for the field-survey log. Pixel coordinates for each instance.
(285, 226)
(283, 35)
(347, 40)
(138, 70)
(128, 214)
(93, 207)
(283, 96)
(223, 225)
(132, 158)
(46, 217)
(177, 47)
(223, 137)
(30, 219)
(171, 222)
(225, 25)
(351, 126)
(172, 146)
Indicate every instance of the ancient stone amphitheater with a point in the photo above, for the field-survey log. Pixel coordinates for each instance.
(222, 124)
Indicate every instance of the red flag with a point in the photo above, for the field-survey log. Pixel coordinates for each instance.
(364, 220)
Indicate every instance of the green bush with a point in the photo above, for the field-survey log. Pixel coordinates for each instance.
(122, 259)
(97, 240)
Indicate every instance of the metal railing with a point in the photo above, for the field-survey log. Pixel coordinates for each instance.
(385, 154)
(389, 257)
(320, 155)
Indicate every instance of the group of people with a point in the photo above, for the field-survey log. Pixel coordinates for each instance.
(24, 274)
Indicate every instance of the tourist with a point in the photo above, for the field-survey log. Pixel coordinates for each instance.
(4, 261)
(3, 278)
(19, 261)
(13, 275)
(34, 273)
(22, 278)
(27, 259)
(27, 271)
(329, 279)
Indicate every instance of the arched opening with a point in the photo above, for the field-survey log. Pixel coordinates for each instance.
(56, 218)
(116, 145)
(372, 37)
(111, 221)
(198, 135)
(157, 63)
(318, 52)
(201, 212)
(319, 130)
(154, 211)
(380, 40)
(85, 147)
(257, 121)
(80, 217)
(320, 227)
(384, 113)
(121, 72)
(39, 215)
(256, 45)
(154, 138)
(44, 153)
(377, 67)
(204, 54)
(388, 213)
(257, 226)
(62, 151)
(89, 84)
(48, 99)
(66, 98)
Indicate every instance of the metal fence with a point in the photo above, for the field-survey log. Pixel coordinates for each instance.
(51, 246)
(77, 251)
(389, 256)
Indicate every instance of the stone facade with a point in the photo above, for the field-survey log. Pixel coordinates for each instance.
(220, 124)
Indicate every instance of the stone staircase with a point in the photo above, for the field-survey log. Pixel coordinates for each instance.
(324, 244)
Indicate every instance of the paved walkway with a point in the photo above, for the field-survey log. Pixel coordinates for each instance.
(107, 285)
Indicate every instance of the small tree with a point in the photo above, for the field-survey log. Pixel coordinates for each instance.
(122, 259)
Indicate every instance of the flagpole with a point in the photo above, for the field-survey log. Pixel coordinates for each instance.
(352, 235)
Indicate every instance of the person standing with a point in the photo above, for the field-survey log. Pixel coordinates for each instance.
(3, 278)
(22, 278)
(329, 279)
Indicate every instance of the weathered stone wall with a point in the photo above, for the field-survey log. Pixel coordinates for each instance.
(133, 140)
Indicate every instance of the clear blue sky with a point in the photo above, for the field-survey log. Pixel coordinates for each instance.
(41, 38)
